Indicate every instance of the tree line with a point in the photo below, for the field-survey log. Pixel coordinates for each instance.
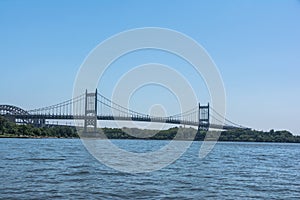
(9, 129)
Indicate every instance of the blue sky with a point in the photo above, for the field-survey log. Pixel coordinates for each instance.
(255, 45)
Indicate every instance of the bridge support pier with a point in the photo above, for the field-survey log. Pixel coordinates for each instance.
(38, 122)
(90, 112)
(203, 116)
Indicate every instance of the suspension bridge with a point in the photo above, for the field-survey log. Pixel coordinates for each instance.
(91, 107)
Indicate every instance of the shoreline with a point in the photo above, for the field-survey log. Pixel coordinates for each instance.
(35, 137)
(11, 130)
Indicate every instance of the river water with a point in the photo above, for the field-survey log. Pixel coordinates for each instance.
(64, 169)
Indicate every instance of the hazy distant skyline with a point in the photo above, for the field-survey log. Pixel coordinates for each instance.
(255, 45)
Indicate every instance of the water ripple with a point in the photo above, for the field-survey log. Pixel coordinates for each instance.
(63, 169)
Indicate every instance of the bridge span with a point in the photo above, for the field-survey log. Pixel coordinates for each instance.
(91, 107)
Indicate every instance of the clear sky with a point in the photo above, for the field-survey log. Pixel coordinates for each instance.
(255, 45)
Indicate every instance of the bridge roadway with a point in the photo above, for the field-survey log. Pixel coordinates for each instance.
(125, 118)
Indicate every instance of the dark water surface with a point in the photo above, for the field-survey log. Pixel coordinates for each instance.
(63, 169)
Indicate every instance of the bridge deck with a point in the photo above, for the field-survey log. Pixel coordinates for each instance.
(167, 120)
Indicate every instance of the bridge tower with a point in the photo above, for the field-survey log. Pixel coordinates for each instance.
(203, 116)
(90, 111)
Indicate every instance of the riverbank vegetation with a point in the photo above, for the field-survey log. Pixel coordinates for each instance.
(9, 129)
